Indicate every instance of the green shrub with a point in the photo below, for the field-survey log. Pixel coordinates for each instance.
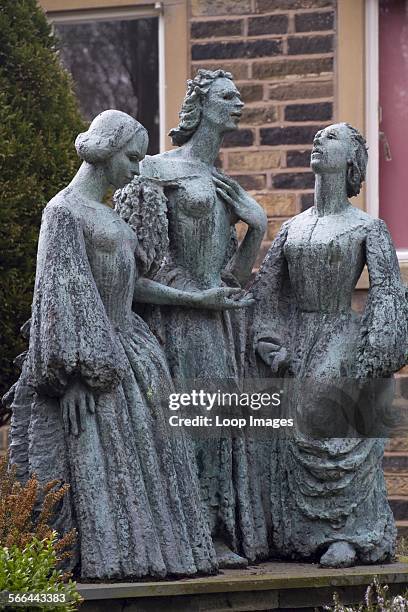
(31, 553)
(33, 570)
(39, 120)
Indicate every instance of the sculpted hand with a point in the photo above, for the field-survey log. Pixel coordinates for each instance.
(274, 355)
(241, 204)
(77, 400)
(222, 298)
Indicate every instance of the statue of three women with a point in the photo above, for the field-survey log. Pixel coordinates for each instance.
(85, 411)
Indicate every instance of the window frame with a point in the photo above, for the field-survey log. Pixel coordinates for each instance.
(173, 58)
(373, 112)
(357, 95)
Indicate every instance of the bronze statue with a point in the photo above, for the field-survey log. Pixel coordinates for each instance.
(203, 207)
(327, 491)
(87, 407)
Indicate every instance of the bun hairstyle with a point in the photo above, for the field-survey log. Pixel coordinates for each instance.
(108, 133)
(356, 171)
(191, 109)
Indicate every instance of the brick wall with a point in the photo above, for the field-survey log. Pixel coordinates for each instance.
(3, 440)
(281, 55)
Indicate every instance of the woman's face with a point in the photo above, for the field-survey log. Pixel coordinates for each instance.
(222, 106)
(332, 149)
(125, 163)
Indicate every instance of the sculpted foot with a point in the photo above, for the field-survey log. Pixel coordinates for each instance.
(227, 559)
(339, 554)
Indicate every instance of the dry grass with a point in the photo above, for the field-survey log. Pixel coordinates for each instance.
(402, 547)
(376, 599)
(27, 509)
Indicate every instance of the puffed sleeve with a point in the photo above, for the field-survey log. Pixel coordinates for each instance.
(383, 345)
(143, 205)
(270, 318)
(71, 335)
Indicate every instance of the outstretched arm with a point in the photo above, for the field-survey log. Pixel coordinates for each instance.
(384, 332)
(270, 321)
(218, 298)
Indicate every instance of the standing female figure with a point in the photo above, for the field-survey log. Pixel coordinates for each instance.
(97, 376)
(203, 208)
(328, 496)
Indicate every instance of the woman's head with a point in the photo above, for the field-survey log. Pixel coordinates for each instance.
(116, 142)
(213, 97)
(341, 148)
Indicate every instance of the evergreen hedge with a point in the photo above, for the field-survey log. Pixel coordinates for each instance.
(39, 119)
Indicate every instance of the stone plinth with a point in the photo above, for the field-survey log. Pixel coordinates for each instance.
(269, 586)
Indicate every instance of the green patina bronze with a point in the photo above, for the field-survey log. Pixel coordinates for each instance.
(86, 408)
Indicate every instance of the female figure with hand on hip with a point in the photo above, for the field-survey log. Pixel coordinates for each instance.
(98, 376)
(207, 347)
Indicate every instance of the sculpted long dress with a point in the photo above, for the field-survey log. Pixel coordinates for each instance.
(208, 346)
(134, 496)
(327, 489)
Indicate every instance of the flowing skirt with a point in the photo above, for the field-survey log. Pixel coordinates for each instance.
(205, 349)
(134, 492)
(326, 488)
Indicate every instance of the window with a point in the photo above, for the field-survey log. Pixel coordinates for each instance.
(170, 20)
(358, 79)
(115, 64)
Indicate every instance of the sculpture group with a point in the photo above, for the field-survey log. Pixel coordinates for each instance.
(86, 411)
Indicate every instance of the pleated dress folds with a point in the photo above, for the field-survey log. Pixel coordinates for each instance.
(328, 485)
(134, 494)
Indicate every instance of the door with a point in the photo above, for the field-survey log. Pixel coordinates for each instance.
(393, 92)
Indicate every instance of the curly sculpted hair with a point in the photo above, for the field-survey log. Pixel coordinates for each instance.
(191, 109)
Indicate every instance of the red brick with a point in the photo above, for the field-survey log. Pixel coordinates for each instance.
(281, 68)
(4, 439)
(239, 70)
(322, 111)
(251, 182)
(236, 50)
(241, 230)
(274, 226)
(306, 45)
(272, 24)
(212, 29)
(238, 138)
(306, 201)
(253, 161)
(301, 90)
(292, 135)
(277, 204)
(265, 6)
(251, 93)
(310, 22)
(220, 7)
(259, 115)
(298, 180)
(298, 159)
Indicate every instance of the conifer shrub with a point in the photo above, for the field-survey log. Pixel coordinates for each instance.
(39, 120)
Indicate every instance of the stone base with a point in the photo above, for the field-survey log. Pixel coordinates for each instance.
(265, 587)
